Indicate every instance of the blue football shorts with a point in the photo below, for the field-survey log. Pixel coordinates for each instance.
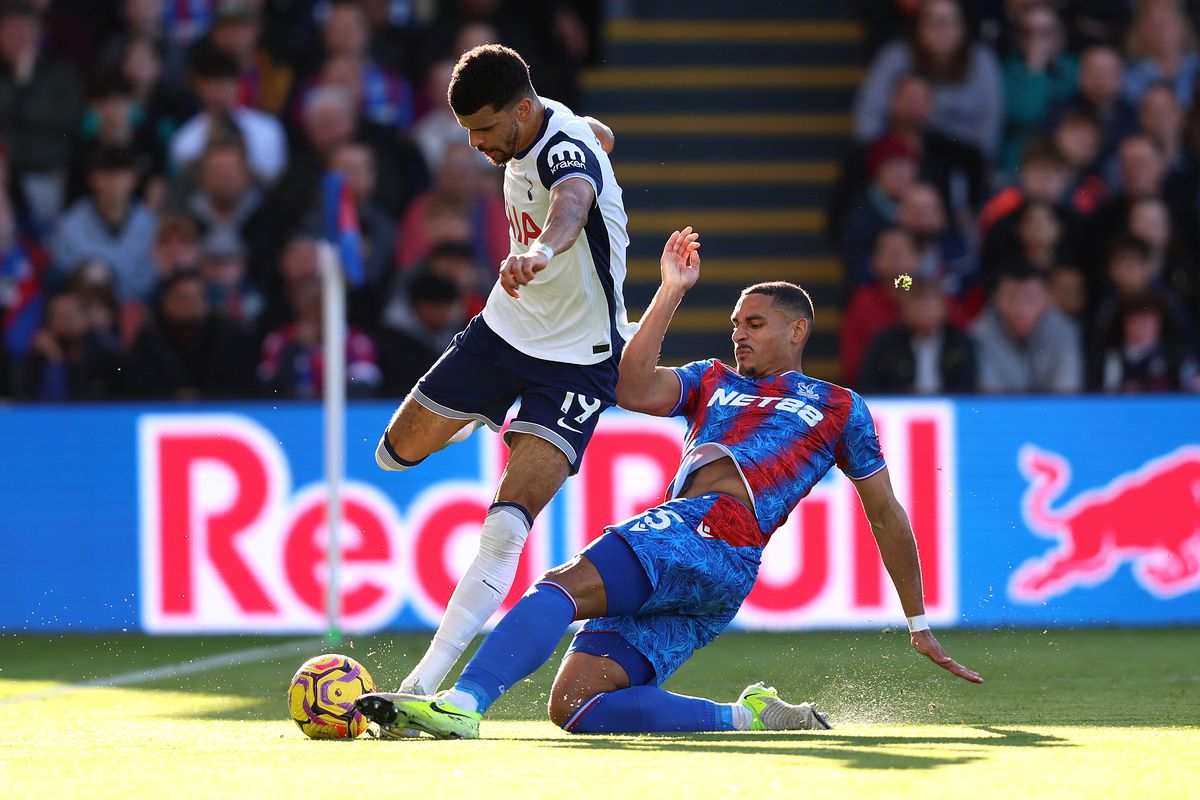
(698, 581)
(480, 376)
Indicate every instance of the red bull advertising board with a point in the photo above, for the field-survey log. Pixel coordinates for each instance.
(195, 519)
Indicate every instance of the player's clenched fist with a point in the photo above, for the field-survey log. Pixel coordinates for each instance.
(518, 270)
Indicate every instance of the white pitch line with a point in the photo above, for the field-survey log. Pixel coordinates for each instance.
(169, 670)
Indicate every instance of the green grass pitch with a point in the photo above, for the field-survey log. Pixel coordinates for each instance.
(1089, 713)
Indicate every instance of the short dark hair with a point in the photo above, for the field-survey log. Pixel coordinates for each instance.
(207, 61)
(1126, 244)
(1020, 271)
(1041, 150)
(488, 75)
(788, 295)
(433, 289)
(110, 158)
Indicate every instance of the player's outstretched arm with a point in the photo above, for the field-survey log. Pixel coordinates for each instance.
(570, 202)
(898, 548)
(643, 385)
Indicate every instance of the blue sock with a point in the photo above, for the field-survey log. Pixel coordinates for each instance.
(522, 641)
(649, 709)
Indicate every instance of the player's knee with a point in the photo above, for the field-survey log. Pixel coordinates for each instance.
(563, 704)
(387, 458)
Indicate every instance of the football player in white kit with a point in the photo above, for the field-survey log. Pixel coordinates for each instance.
(550, 334)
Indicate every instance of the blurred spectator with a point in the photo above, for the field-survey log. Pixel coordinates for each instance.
(1162, 120)
(384, 97)
(439, 128)
(112, 121)
(41, 103)
(214, 78)
(1132, 273)
(95, 283)
(1094, 22)
(159, 108)
(967, 89)
(1171, 264)
(293, 362)
(1040, 234)
(463, 24)
(1162, 49)
(921, 354)
(109, 223)
(1025, 344)
(891, 169)
(458, 263)
(1068, 291)
(223, 267)
(236, 31)
(1043, 178)
(396, 32)
(944, 254)
(873, 307)
(187, 352)
(1101, 78)
(1077, 136)
(22, 270)
(955, 168)
(330, 122)
(70, 359)
(147, 21)
(1143, 351)
(418, 328)
(176, 246)
(183, 23)
(377, 229)
(297, 261)
(1143, 175)
(1039, 75)
(461, 207)
(225, 196)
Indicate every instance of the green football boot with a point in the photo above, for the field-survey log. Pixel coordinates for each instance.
(772, 714)
(433, 715)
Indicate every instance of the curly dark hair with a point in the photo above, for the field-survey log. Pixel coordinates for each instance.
(789, 296)
(488, 75)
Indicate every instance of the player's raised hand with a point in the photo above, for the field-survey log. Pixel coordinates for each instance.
(681, 259)
(518, 270)
(925, 644)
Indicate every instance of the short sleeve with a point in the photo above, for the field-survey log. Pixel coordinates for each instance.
(689, 376)
(564, 157)
(858, 453)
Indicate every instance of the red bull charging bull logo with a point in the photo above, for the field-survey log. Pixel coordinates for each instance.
(1149, 518)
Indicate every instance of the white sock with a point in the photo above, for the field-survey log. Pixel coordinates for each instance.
(483, 587)
(742, 717)
(461, 699)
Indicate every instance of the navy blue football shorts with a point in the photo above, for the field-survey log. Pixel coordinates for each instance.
(480, 376)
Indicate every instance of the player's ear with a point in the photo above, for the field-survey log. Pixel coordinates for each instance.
(523, 108)
(800, 330)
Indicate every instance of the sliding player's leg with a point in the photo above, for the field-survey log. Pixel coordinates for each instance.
(522, 641)
(536, 469)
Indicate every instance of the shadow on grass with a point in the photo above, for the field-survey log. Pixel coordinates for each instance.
(858, 751)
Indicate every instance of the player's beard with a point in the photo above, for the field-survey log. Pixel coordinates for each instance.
(505, 154)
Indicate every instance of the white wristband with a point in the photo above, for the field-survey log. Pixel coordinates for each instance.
(541, 247)
(917, 623)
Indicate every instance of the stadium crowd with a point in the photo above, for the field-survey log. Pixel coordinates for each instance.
(162, 162)
(1035, 167)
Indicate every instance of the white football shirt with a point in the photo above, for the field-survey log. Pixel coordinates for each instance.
(573, 311)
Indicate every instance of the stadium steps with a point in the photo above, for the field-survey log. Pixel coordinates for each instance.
(730, 120)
